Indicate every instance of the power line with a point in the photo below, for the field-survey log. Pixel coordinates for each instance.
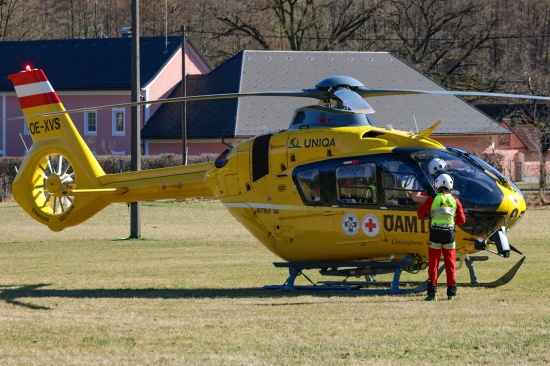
(239, 33)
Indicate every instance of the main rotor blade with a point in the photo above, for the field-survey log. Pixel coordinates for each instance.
(367, 92)
(305, 93)
(347, 96)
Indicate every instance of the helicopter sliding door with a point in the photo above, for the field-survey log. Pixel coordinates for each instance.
(404, 190)
(375, 202)
(402, 184)
(306, 227)
(356, 211)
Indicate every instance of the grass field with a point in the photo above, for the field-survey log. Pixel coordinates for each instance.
(190, 293)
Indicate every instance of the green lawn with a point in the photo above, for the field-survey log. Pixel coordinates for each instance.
(190, 293)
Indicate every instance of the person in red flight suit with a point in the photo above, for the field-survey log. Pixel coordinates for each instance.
(445, 211)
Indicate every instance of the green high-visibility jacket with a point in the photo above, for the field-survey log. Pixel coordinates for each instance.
(443, 209)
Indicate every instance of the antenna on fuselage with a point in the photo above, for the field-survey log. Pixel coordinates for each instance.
(415, 124)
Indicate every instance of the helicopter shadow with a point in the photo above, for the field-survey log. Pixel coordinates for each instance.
(14, 295)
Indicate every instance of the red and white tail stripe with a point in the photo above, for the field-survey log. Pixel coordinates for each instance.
(34, 90)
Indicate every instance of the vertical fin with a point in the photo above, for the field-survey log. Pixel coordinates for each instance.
(427, 132)
(58, 159)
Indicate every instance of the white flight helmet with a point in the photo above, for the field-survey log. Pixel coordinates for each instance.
(444, 180)
(437, 165)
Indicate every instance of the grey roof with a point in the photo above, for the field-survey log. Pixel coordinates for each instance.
(295, 70)
(206, 119)
(83, 64)
(252, 71)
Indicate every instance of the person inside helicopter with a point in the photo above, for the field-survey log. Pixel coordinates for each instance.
(357, 183)
(414, 190)
(402, 186)
(436, 166)
(461, 172)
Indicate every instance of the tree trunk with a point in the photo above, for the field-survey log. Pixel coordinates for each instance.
(542, 175)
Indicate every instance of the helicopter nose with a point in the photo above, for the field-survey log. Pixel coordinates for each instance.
(516, 205)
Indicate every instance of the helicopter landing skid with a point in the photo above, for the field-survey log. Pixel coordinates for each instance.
(394, 287)
(507, 277)
(369, 269)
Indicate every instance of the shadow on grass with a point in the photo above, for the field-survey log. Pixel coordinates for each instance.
(14, 294)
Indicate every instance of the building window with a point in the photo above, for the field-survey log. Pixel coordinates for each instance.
(90, 123)
(119, 122)
(504, 140)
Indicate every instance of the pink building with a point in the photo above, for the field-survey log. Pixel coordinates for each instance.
(520, 148)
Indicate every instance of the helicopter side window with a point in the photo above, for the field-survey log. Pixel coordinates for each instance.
(308, 181)
(357, 184)
(401, 185)
(299, 117)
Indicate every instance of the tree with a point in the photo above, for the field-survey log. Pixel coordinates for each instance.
(444, 39)
(538, 114)
(9, 10)
(347, 25)
(300, 24)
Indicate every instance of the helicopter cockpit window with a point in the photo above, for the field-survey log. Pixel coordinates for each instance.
(401, 184)
(473, 183)
(308, 181)
(357, 183)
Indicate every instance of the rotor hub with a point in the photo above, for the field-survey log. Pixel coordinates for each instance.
(54, 183)
(342, 81)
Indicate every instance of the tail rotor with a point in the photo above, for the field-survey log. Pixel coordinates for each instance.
(55, 174)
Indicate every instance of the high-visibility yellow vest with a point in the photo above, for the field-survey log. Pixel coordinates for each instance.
(443, 210)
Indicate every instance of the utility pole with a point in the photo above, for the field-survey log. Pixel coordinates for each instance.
(135, 207)
(184, 94)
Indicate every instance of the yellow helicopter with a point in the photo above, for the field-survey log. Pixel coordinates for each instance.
(333, 192)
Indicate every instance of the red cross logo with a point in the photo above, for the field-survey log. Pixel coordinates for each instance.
(515, 200)
(370, 225)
